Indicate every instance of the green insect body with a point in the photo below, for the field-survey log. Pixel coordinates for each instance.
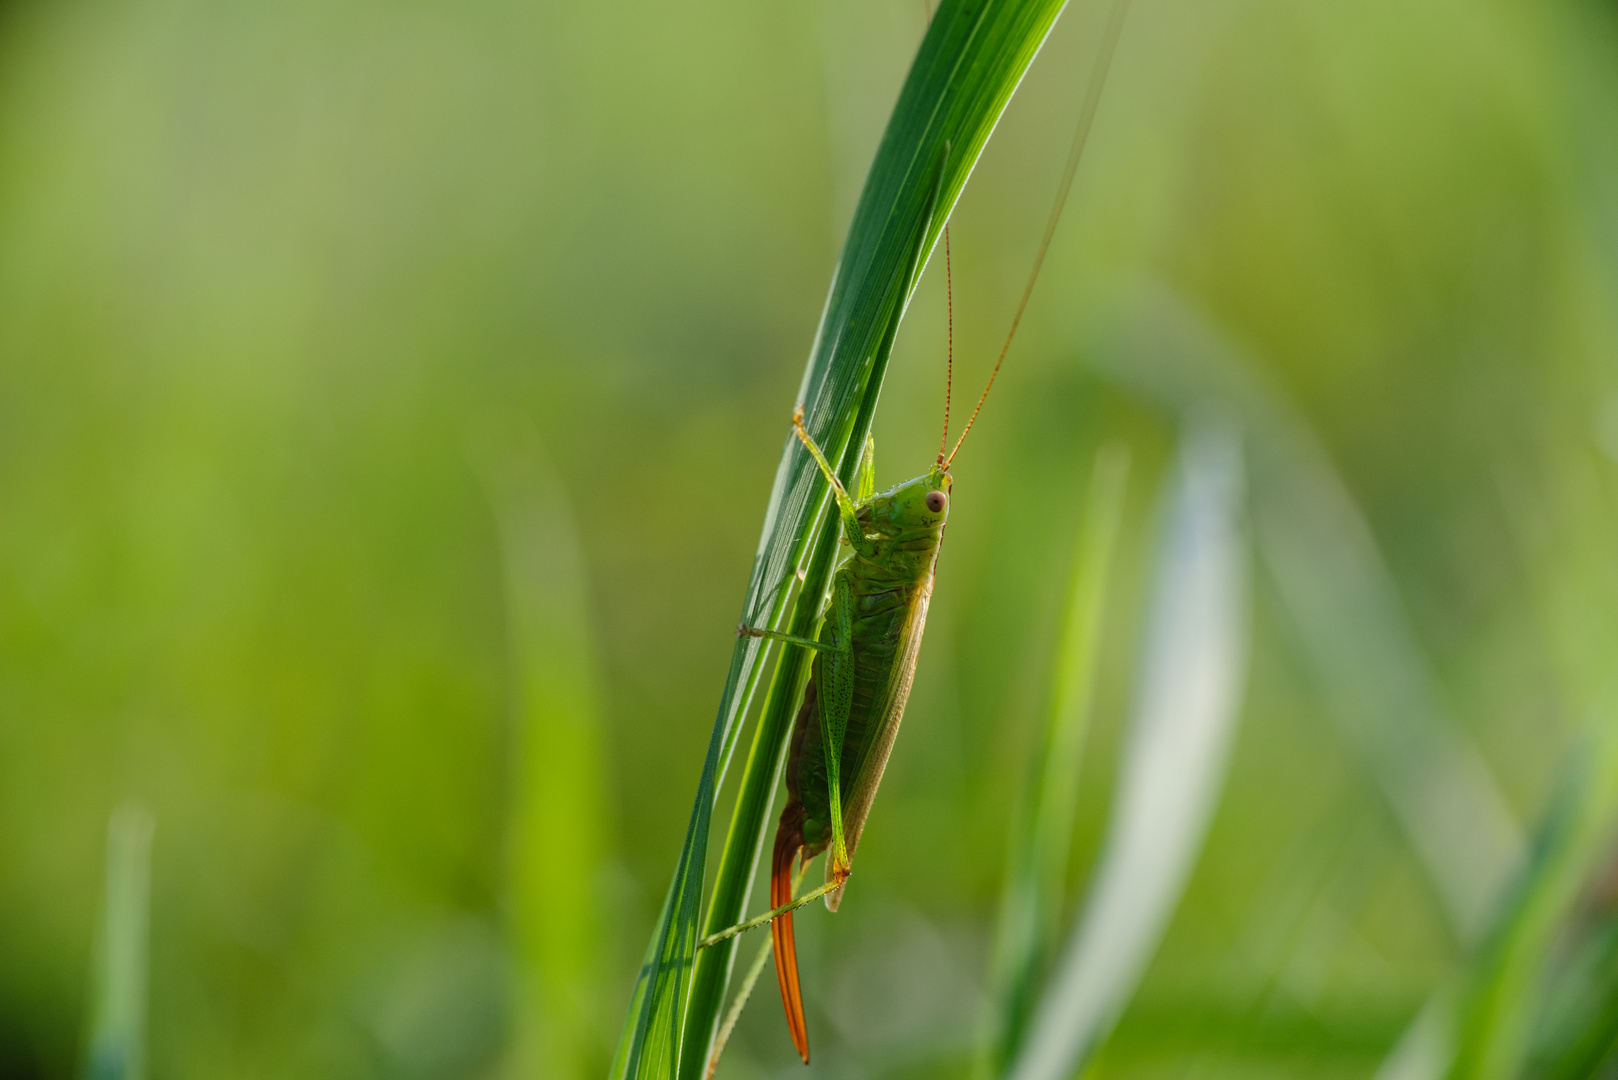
(858, 687)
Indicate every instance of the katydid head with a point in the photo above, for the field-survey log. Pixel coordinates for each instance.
(915, 506)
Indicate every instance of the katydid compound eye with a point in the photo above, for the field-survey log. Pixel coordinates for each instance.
(936, 501)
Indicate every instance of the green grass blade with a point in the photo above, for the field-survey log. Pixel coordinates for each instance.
(970, 62)
(555, 845)
(1173, 766)
(117, 1043)
(1032, 901)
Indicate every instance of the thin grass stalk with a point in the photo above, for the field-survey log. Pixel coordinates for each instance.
(552, 874)
(743, 993)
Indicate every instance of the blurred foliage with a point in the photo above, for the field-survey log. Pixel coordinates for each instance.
(270, 273)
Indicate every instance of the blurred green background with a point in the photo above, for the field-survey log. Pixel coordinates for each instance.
(389, 397)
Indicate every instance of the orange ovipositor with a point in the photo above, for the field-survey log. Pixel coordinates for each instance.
(788, 842)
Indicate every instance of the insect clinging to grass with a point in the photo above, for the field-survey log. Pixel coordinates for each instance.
(870, 637)
(859, 684)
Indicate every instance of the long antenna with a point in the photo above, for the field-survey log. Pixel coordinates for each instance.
(1087, 115)
(949, 363)
(949, 302)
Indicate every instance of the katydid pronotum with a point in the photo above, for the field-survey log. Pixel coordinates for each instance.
(865, 654)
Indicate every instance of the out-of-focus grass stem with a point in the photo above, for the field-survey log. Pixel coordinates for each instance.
(555, 840)
(117, 1043)
(1042, 835)
(1191, 675)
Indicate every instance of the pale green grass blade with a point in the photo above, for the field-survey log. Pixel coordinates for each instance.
(1173, 768)
(117, 1042)
(1427, 1046)
(1032, 902)
(1342, 604)
(555, 842)
(971, 60)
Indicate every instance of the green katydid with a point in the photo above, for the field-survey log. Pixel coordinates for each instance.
(857, 689)
(871, 635)
(861, 678)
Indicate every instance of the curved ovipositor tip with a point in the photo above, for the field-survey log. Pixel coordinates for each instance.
(788, 842)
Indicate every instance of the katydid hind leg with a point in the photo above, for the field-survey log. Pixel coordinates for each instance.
(836, 700)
